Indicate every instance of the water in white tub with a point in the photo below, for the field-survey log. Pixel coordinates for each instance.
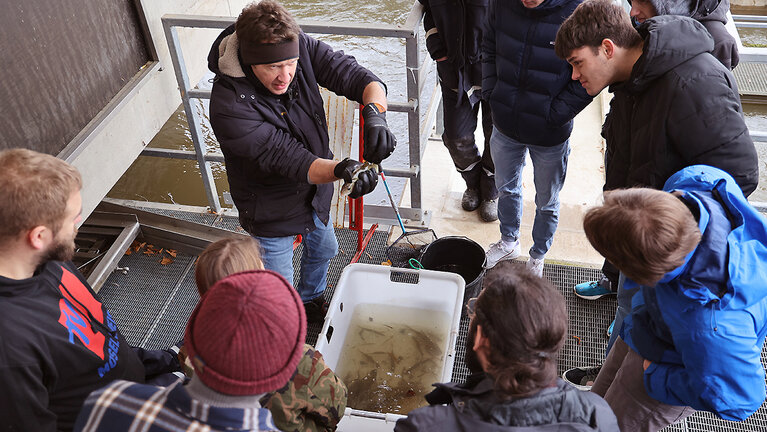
(392, 355)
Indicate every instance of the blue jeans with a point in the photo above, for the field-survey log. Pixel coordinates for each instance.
(625, 294)
(320, 246)
(549, 169)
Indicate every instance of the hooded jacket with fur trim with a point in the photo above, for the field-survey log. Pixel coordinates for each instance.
(269, 141)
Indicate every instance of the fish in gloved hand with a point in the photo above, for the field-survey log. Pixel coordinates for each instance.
(359, 178)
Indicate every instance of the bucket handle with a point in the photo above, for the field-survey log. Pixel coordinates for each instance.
(414, 263)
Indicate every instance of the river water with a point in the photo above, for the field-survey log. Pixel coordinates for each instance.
(177, 181)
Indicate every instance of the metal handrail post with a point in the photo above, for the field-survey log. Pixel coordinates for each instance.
(179, 66)
(413, 68)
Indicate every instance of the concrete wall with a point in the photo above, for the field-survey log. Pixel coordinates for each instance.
(113, 146)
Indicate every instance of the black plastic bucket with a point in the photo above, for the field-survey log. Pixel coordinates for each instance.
(457, 255)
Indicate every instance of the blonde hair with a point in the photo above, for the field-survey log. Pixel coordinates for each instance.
(226, 257)
(34, 191)
(646, 233)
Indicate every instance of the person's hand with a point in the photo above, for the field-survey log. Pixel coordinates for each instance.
(379, 141)
(646, 364)
(345, 169)
(441, 59)
(361, 180)
(365, 183)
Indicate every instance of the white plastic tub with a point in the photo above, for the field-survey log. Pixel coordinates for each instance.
(372, 284)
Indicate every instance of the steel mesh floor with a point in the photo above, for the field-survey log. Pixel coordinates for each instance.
(152, 303)
(751, 78)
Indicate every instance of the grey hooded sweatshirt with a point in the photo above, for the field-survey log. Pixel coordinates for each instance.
(713, 15)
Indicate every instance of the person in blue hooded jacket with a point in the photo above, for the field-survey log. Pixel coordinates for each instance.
(533, 101)
(697, 251)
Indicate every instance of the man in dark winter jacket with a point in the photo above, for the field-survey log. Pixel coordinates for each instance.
(533, 101)
(711, 13)
(696, 252)
(518, 325)
(453, 38)
(58, 342)
(674, 104)
(267, 114)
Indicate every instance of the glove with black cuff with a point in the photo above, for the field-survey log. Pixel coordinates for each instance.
(379, 141)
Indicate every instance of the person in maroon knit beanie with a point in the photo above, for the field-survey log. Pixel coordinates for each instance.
(244, 338)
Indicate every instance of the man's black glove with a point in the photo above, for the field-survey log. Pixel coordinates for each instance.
(379, 141)
(362, 181)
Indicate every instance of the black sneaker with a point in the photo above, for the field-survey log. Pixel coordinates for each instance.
(316, 310)
(582, 378)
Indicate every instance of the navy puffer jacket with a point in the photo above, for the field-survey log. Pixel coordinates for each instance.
(531, 93)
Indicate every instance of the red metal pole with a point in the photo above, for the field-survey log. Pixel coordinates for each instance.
(356, 206)
(365, 242)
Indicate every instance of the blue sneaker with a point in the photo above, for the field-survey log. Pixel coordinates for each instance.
(593, 290)
(610, 329)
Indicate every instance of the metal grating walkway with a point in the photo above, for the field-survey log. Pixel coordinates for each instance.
(152, 302)
(751, 79)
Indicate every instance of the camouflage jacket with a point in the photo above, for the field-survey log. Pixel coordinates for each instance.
(313, 400)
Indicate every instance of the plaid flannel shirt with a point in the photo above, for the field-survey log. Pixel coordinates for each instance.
(129, 406)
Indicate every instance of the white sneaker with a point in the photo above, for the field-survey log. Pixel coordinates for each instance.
(501, 250)
(535, 265)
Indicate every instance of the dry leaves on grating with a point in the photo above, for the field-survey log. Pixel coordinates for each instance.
(150, 250)
(167, 259)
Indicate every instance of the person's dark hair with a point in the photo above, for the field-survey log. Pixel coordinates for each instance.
(266, 22)
(525, 320)
(645, 233)
(592, 22)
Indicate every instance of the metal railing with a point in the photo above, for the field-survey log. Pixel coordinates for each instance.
(750, 54)
(750, 21)
(416, 71)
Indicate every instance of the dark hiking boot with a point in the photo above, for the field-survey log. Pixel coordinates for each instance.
(316, 310)
(488, 210)
(470, 199)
